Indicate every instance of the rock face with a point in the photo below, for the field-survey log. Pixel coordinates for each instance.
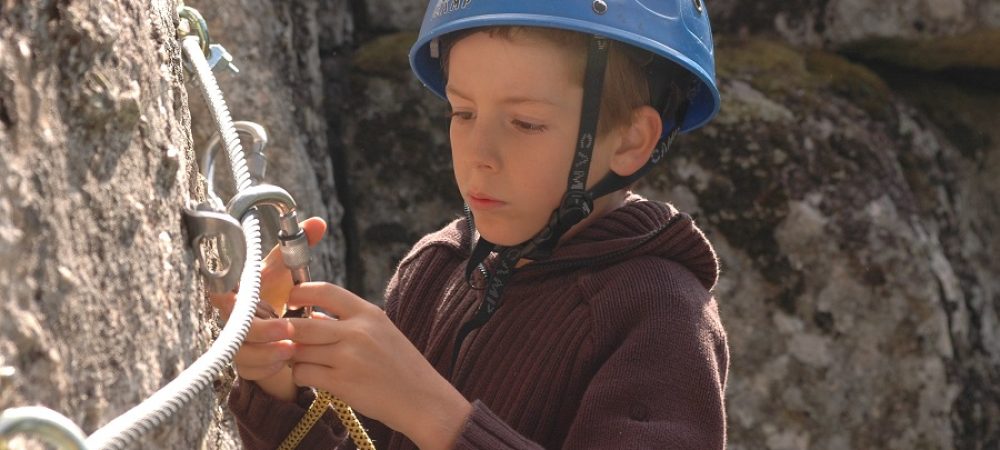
(923, 34)
(840, 22)
(857, 286)
(103, 305)
(96, 162)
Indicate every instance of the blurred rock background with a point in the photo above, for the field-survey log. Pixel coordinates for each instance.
(849, 184)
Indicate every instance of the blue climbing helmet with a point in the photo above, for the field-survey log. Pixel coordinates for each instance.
(676, 30)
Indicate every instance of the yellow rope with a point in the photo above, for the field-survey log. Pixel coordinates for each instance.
(316, 409)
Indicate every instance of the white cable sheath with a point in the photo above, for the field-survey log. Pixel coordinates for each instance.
(125, 431)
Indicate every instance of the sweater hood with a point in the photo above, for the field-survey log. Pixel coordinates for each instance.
(640, 228)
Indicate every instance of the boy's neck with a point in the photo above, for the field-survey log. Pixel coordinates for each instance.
(602, 207)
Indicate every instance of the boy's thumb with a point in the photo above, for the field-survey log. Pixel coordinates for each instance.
(315, 229)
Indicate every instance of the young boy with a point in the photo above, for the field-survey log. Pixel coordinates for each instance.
(570, 313)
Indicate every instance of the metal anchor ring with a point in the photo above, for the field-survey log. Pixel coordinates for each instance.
(205, 223)
(197, 22)
(44, 424)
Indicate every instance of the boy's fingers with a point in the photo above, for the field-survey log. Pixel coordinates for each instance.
(260, 372)
(312, 332)
(268, 330)
(222, 301)
(315, 229)
(317, 314)
(272, 261)
(305, 374)
(331, 298)
(276, 281)
(224, 314)
(321, 355)
(263, 355)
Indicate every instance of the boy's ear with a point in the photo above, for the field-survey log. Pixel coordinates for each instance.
(637, 141)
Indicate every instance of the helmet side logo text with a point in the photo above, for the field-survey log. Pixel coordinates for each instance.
(449, 6)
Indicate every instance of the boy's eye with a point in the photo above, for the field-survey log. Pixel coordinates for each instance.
(528, 126)
(461, 115)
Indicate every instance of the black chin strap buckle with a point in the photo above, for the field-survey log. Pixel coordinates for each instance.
(575, 207)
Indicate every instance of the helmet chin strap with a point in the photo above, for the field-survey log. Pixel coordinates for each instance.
(576, 205)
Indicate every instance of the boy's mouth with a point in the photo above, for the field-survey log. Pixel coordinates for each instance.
(481, 201)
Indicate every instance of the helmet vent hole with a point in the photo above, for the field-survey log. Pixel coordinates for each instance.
(600, 7)
(698, 5)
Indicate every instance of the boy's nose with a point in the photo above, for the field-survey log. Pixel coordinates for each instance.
(485, 147)
(485, 160)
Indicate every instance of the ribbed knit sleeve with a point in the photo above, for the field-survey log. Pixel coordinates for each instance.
(662, 384)
(264, 421)
(415, 291)
(484, 430)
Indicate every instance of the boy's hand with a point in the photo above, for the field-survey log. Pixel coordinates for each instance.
(265, 354)
(362, 358)
(275, 279)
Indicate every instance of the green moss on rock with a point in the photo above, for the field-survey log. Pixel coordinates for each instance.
(779, 71)
(978, 49)
(769, 66)
(851, 81)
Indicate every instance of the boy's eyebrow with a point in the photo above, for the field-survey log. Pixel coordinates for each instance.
(449, 90)
(515, 99)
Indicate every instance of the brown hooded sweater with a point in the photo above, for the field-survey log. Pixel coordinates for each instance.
(614, 342)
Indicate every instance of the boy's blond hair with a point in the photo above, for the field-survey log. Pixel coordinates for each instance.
(626, 86)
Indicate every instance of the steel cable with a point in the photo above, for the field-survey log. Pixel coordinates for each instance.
(158, 408)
